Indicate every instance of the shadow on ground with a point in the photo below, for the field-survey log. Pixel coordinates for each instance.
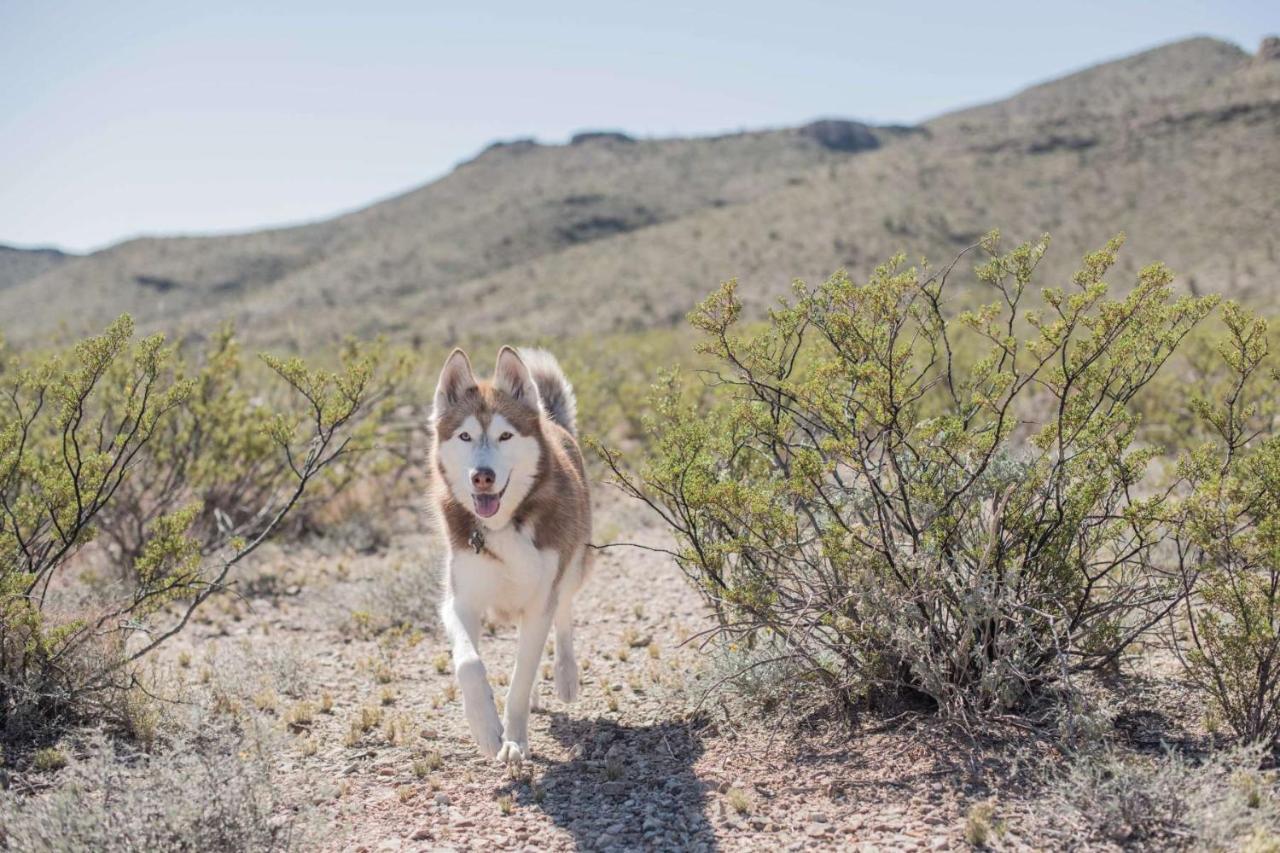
(626, 787)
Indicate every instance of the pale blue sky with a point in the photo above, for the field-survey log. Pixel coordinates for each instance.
(120, 119)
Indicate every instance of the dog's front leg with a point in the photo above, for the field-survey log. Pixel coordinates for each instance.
(463, 626)
(533, 635)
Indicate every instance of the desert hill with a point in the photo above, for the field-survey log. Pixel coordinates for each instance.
(1178, 146)
(19, 265)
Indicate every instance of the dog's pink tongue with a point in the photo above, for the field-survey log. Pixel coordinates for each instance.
(486, 505)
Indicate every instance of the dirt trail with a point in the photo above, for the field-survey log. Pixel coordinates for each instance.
(390, 764)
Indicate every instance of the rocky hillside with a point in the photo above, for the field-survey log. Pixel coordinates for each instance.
(1178, 146)
(19, 265)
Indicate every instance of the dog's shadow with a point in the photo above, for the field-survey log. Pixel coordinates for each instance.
(629, 787)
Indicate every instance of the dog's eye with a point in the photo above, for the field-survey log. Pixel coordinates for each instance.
(504, 436)
(465, 436)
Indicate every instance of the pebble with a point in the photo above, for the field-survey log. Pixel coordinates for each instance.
(442, 799)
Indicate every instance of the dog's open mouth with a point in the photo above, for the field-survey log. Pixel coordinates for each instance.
(487, 504)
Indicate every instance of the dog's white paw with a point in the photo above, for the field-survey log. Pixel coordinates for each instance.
(513, 753)
(488, 735)
(566, 679)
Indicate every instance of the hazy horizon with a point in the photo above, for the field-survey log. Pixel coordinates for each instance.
(159, 121)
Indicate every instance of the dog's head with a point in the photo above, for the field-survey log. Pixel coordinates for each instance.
(488, 435)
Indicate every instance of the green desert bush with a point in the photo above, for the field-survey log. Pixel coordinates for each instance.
(214, 449)
(895, 519)
(1227, 536)
(114, 434)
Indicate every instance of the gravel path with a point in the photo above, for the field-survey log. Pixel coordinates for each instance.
(373, 744)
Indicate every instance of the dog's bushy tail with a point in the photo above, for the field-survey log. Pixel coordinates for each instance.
(554, 388)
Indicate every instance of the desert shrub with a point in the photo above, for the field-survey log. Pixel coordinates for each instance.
(214, 449)
(612, 376)
(895, 518)
(1228, 537)
(76, 429)
(211, 793)
(1167, 802)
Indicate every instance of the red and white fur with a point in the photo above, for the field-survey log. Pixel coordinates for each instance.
(511, 490)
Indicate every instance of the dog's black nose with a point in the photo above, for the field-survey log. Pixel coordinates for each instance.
(483, 479)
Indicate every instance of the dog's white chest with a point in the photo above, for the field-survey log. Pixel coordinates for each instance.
(508, 576)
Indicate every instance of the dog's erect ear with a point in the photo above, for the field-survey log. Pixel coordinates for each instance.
(512, 375)
(455, 380)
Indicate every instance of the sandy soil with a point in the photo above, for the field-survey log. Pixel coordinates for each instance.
(375, 750)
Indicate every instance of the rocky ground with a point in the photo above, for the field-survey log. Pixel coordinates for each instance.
(316, 708)
(372, 749)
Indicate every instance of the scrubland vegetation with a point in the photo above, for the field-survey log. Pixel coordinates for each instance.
(902, 497)
(977, 500)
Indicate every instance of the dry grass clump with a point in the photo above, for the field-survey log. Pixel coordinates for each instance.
(1222, 803)
(211, 793)
(49, 759)
(300, 716)
(981, 826)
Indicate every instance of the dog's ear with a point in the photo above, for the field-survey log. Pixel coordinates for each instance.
(455, 380)
(511, 374)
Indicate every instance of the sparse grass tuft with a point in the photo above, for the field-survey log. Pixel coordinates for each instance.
(738, 800)
(980, 826)
(300, 715)
(49, 759)
(266, 700)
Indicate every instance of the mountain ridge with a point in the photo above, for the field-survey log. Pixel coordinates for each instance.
(1176, 145)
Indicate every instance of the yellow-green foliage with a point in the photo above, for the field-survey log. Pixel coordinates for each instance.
(1229, 534)
(892, 516)
(178, 471)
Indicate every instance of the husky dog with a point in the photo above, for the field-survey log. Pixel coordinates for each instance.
(511, 490)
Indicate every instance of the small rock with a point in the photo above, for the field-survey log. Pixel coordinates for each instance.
(442, 799)
(422, 833)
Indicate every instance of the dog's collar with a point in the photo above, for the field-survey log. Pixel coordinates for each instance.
(476, 539)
